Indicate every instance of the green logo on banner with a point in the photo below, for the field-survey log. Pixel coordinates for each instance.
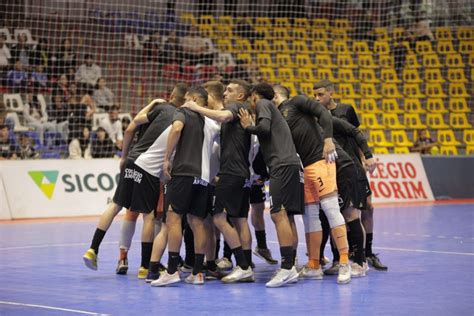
(45, 180)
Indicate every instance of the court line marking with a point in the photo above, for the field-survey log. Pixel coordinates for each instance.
(50, 307)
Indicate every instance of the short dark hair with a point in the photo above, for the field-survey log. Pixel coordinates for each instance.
(281, 89)
(216, 88)
(264, 90)
(113, 108)
(88, 56)
(199, 91)
(324, 84)
(2, 126)
(246, 87)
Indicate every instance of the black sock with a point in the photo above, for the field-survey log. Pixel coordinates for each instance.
(146, 254)
(240, 258)
(261, 239)
(97, 239)
(189, 246)
(368, 244)
(248, 256)
(287, 258)
(154, 267)
(218, 247)
(173, 261)
(357, 236)
(198, 263)
(211, 265)
(227, 251)
(335, 252)
(326, 231)
(295, 253)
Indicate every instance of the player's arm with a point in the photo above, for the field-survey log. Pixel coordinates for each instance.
(220, 116)
(173, 139)
(262, 128)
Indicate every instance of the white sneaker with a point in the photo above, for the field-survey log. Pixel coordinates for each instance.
(357, 271)
(309, 273)
(166, 278)
(344, 275)
(366, 267)
(224, 264)
(239, 274)
(283, 276)
(296, 261)
(197, 279)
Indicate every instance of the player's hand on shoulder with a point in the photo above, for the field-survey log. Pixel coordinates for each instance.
(245, 118)
(190, 105)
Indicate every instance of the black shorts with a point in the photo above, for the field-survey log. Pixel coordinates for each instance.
(187, 195)
(232, 195)
(257, 193)
(211, 199)
(137, 189)
(347, 188)
(287, 190)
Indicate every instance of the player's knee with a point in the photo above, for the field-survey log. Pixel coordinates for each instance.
(219, 220)
(330, 206)
(311, 220)
(350, 214)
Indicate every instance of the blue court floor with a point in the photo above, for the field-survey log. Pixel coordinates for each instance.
(429, 251)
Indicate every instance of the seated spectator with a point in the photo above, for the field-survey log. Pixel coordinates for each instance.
(41, 56)
(7, 147)
(172, 51)
(5, 57)
(103, 96)
(22, 52)
(420, 30)
(17, 78)
(81, 110)
(80, 145)
(62, 88)
(425, 145)
(66, 58)
(102, 145)
(37, 118)
(88, 74)
(125, 123)
(153, 48)
(195, 50)
(26, 150)
(59, 115)
(113, 126)
(39, 79)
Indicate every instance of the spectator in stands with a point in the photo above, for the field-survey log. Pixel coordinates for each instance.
(17, 78)
(7, 147)
(102, 145)
(26, 149)
(21, 51)
(244, 29)
(399, 52)
(113, 126)
(36, 117)
(425, 145)
(103, 96)
(81, 110)
(172, 51)
(62, 88)
(195, 49)
(80, 145)
(67, 57)
(39, 79)
(420, 30)
(125, 123)
(153, 48)
(5, 57)
(41, 55)
(88, 74)
(59, 115)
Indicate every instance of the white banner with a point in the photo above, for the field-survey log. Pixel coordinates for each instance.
(57, 188)
(400, 178)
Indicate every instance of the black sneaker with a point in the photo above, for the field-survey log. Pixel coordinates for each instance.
(214, 275)
(186, 268)
(333, 270)
(265, 254)
(122, 267)
(374, 261)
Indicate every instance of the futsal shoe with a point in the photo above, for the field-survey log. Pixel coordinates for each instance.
(197, 279)
(310, 273)
(344, 275)
(122, 267)
(166, 279)
(366, 267)
(152, 276)
(283, 276)
(213, 275)
(357, 271)
(333, 270)
(90, 259)
(186, 268)
(224, 264)
(142, 273)
(374, 261)
(239, 274)
(324, 261)
(265, 254)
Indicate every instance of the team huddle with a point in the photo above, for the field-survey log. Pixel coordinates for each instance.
(196, 166)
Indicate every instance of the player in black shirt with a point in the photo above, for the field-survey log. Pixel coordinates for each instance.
(286, 178)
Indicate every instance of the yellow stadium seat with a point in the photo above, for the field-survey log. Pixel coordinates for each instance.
(456, 75)
(264, 31)
(245, 57)
(435, 121)
(401, 150)
(281, 33)
(300, 47)
(282, 22)
(225, 45)
(381, 151)
(326, 73)
(465, 33)
(369, 106)
(262, 46)
(468, 136)
(342, 24)
(321, 24)
(391, 106)
(263, 21)
(347, 76)
(340, 47)
(431, 61)
(377, 138)
(448, 151)
(433, 75)
(227, 20)
(301, 22)
(324, 61)
(207, 30)
(445, 47)
(345, 61)
(413, 106)
(339, 34)
(400, 138)
(299, 33)
(447, 138)
(466, 47)
(319, 34)
(320, 47)
(381, 47)
(436, 105)
(472, 74)
(443, 34)
(390, 120)
(470, 150)
(307, 88)
(412, 61)
(369, 120)
(434, 90)
(243, 45)
(454, 61)
(281, 46)
(386, 62)
(369, 90)
(291, 86)
(188, 18)
(389, 75)
(304, 60)
(390, 90)
(471, 60)
(268, 74)
(286, 75)
(352, 103)
(398, 33)
(366, 61)
(459, 120)
(457, 90)
(367, 75)
(413, 121)
(361, 48)
(223, 31)
(347, 91)
(412, 90)
(284, 60)
(265, 60)
(381, 33)
(306, 75)
(423, 47)
(206, 19)
(411, 76)
(458, 105)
